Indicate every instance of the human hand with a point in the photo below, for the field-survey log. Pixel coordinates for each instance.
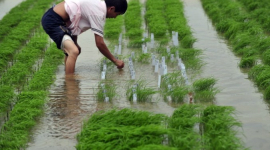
(119, 63)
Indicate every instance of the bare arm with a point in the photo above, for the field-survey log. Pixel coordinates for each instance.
(105, 51)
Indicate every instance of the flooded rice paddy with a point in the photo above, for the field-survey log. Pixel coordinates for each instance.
(72, 99)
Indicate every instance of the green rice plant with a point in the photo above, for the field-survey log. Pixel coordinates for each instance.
(137, 43)
(186, 54)
(173, 79)
(241, 41)
(155, 18)
(219, 128)
(177, 22)
(109, 64)
(256, 71)
(14, 17)
(181, 126)
(143, 57)
(15, 132)
(191, 58)
(248, 52)
(266, 57)
(19, 35)
(204, 84)
(154, 147)
(262, 80)
(177, 94)
(266, 93)
(143, 92)
(233, 29)
(110, 90)
(258, 11)
(133, 23)
(248, 62)
(113, 28)
(262, 44)
(188, 41)
(173, 87)
(204, 89)
(121, 129)
(7, 94)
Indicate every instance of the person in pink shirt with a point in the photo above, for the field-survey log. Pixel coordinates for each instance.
(68, 19)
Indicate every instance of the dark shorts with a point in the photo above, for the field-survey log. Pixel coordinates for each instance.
(55, 27)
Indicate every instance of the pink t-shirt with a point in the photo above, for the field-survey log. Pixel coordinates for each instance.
(86, 14)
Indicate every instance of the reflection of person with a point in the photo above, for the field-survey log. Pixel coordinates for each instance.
(69, 104)
(66, 110)
(64, 22)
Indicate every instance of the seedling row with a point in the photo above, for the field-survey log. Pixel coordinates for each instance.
(190, 127)
(247, 35)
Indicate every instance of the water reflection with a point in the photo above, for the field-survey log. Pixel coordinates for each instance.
(65, 109)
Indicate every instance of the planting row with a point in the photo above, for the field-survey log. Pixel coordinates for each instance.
(18, 36)
(191, 58)
(15, 132)
(190, 127)
(133, 24)
(246, 36)
(16, 76)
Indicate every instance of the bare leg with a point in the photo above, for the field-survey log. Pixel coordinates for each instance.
(71, 49)
(66, 60)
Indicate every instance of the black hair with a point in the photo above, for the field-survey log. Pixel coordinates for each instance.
(120, 5)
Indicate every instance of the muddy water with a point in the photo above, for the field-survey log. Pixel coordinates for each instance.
(7, 5)
(72, 98)
(236, 89)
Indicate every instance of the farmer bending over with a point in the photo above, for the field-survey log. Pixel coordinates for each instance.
(64, 22)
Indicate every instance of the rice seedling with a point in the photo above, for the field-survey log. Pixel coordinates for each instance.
(122, 129)
(266, 93)
(137, 43)
(258, 11)
(156, 22)
(139, 87)
(14, 17)
(257, 70)
(107, 91)
(266, 57)
(191, 58)
(173, 87)
(109, 65)
(113, 28)
(144, 57)
(242, 40)
(155, 147)
(204, 89)
(219, 128)
(173, 79)
(248, 62)
(262, 80)
(133, 24)
(15, 132)
(7, 94)
(181, 125)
